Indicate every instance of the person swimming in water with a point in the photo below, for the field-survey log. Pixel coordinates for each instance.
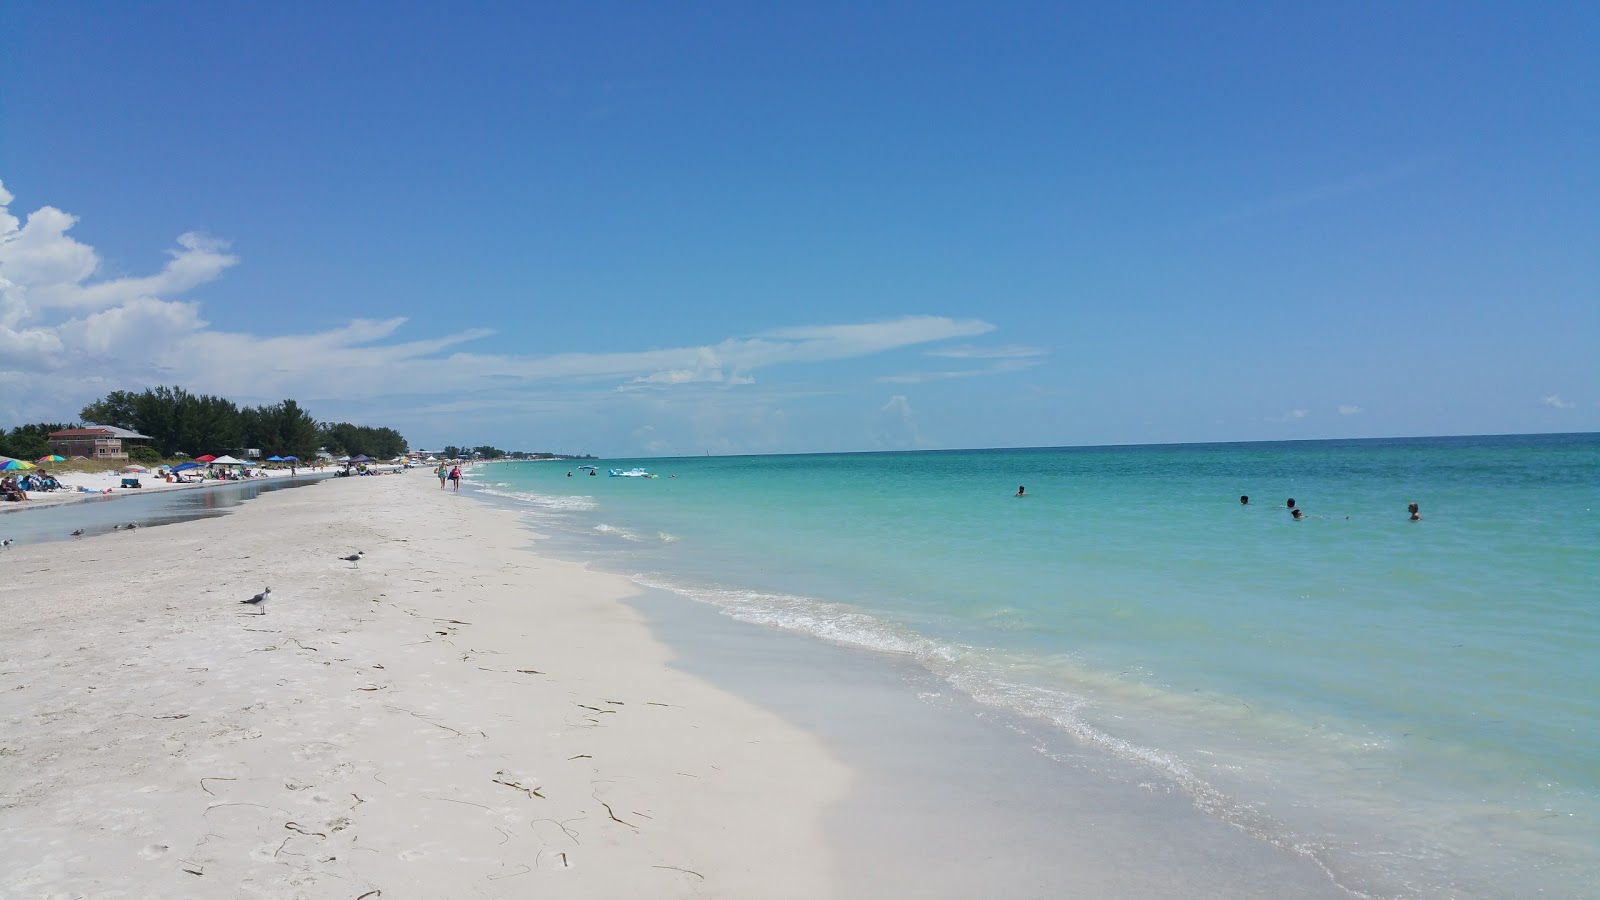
(1244, 499)
(1290, 504)
(1415, 515)
(1022, 491)
(1298, 515)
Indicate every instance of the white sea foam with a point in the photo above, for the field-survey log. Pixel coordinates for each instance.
(981, 675)
(557, 502)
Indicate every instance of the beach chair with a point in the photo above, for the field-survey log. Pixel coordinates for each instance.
(131, 483)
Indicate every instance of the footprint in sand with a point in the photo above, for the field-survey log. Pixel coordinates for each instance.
(413, 854)
(154, 851)
(341, 770)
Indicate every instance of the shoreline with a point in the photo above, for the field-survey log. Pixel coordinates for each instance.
(53, 499)
(934, 812)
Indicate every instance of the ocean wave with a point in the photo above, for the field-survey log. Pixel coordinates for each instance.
(559, 502)
(634, 536)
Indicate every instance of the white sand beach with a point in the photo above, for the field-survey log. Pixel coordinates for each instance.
(451, 717)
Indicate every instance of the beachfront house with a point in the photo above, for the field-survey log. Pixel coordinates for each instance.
(94, 441)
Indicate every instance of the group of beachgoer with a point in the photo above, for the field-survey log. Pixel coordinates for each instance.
(15, 488)
(450, 473)
(1296, 513)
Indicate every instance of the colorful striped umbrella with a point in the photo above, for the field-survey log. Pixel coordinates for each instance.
(51, 458)
(13, 465)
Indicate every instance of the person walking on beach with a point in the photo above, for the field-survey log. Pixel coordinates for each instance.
(443, 474)
(455, 478)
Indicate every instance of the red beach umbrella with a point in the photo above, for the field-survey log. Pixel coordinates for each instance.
(207, 458)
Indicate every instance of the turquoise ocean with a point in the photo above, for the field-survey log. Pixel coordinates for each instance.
(1413, 705)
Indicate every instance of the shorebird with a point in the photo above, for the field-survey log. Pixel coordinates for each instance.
(354, 558)
(78, 533)
(5, 543)
(131, 525)
(259, 601)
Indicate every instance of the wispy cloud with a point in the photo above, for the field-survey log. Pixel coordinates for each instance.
(67, 337)
(1293, 415)
(1293, 200)
(1001, 367)
(1554, 401)
(1350, 409)
(972, 352)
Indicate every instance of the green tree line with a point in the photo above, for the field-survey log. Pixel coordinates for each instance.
(177, 421)
(28, 442)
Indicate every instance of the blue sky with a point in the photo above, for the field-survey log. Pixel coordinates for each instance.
(742, 227)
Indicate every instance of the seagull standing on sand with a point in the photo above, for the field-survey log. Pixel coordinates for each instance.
(5, 543)
(354, 558)
(259, 601)
(78, 533)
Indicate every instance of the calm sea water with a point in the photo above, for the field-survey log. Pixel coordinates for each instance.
(1416, 705)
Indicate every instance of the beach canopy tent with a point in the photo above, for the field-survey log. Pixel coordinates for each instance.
(274, 459)
(207, 458)
(361, 458)
(228, 461)
(184, 467)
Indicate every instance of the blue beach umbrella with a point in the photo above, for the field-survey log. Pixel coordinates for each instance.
(184, 467)
(291, 459)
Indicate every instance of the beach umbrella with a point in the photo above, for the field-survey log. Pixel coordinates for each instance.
(133, 469)
(207, 458)
(14, 465)
(51, 458)
(291, 459)
(184, 467)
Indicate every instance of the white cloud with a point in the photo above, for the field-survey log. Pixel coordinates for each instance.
(1554, 401)
(897, 426)
(1350, 409)
(1292, 415)
(67, 337)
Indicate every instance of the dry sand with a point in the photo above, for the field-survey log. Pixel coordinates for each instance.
(454, 717)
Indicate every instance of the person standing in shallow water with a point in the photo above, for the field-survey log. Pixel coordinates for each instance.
(1415, 515)
(1244, 499)
(1022, 491)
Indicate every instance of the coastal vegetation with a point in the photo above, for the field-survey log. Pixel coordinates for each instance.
(28, 442)
(179, 423)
